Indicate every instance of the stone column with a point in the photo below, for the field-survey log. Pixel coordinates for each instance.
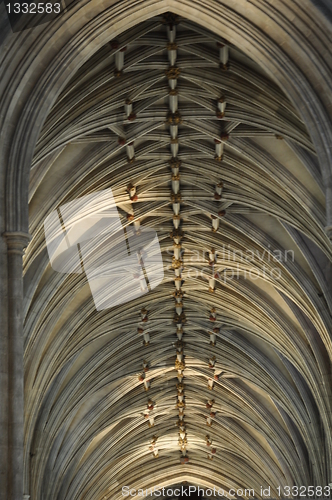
(3, 371)
(16, 244)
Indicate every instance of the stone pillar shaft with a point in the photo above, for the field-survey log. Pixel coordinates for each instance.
(3, 371)
(16, 243)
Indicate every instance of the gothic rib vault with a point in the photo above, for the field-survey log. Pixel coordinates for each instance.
(198, 143)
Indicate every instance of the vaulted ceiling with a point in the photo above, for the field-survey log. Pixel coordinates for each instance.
(221, 375)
